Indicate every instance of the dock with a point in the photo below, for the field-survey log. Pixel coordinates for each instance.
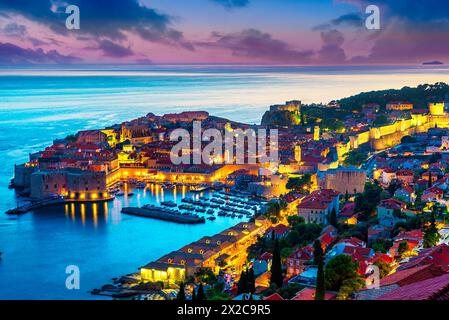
(164, 214)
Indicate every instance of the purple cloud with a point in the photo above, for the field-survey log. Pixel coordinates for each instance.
(111, 49)
(101, 19)
(12, 54)
(252, 43)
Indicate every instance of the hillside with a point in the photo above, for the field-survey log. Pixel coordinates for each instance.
(419, 96)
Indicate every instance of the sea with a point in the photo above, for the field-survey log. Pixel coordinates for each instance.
(40, 104)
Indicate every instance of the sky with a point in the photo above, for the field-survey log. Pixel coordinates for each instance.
(274, 32)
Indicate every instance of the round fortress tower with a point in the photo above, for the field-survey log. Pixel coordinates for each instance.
(436, 109)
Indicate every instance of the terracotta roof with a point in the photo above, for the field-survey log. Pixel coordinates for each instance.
(437, 256)
(274, 297)
(266, 256)
(430, 289)
(393, 204)
(309, 294)
(412, 275)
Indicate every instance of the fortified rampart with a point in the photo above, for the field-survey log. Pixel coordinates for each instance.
(384, 137)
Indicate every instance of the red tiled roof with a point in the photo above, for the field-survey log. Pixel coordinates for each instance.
(393, 204)
(266, 256)
(437, 256)
(279, 229)
(356, 242)
(412, 275)
(274, 297)
(430, 289)
(309, 294)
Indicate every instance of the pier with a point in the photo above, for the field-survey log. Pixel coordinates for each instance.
(164, 214)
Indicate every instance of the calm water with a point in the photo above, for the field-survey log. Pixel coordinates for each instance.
(37, 106)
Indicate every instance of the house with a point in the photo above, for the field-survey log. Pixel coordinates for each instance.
(347, 214)
(430, 289)
(340, 247)
(388, 175)
(437, 256)
(377, 232)
(316, 207)
(328, 236)
(389, 212)
(279, 231)
(308, 294)
(298, 260)
(306, 278)
(432, 194)
(400, 279)
(406, 194)
(262, 264)
(405, 176)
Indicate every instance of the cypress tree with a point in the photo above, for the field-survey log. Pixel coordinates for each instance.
(242, 286)
(333, 218)
(276, 266)
(200, 296)
(319, 261)
(251, 281)
(346, 196)
(181, 293)
(431, 234)
(430, 180)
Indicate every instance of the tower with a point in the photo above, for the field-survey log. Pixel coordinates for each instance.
(298, 153)
(436, 109)
(316, 133)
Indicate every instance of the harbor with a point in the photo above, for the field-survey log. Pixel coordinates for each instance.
(127, 241)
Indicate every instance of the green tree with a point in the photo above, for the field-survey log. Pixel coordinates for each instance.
(319, 262)
(300, 184)
(367, 202)
(295, 220)
(341, 270)
(355, 158)
(384, 268)
(276, 266)
(381, 120)
(431, 234)
(181, 293)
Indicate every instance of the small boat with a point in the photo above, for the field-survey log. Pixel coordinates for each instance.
(141, 185)
(170, 204)
(120, 194)
(211, 218)
(199, 188)
(210, 211)
(168, 186)
(130, 194)
(240, 216)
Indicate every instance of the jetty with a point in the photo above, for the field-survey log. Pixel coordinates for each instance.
(154, 212)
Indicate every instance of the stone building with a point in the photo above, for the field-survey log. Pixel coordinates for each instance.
(351, 180)
(72, 183)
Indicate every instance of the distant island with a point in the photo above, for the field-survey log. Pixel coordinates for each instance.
(432, 63)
